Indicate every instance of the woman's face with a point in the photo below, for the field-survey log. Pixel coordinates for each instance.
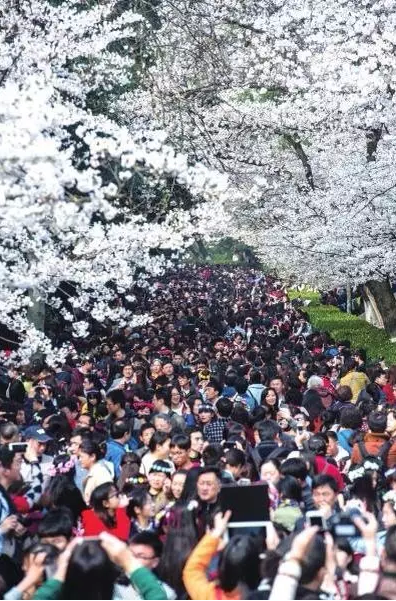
(177, 485)
(148, 509)
(113, 500)
(175, 396)
(270, 398)
(156, 367)
(388, 515)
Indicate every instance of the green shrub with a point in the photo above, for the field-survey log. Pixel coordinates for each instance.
(342, 326)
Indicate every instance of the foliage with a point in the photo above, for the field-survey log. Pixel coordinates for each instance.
(343, 326)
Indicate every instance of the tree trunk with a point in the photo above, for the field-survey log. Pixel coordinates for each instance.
(349, 298)
(382, 302)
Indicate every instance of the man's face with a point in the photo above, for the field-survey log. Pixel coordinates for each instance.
(118, 356)
(208, 487)
(197, 442)
(277, 384)
(381, 380)
(219, 346)
(145, 555)
(127, 372)
(178, 359)
(162, 425)
(112, 408)
(179, 456)
(75, 443)
(183, 381)
(324, 496)
(146, 436)
(168, 369)
(210, 392)
(37, 447)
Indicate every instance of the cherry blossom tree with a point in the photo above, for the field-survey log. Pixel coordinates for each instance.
(296, 102)
(68, 209)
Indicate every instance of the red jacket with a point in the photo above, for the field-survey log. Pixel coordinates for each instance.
(324, 467)
(93, 525)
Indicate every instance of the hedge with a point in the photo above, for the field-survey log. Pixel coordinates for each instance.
(342, 326)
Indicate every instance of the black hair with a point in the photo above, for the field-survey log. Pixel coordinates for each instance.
(314, 560)
(377, 422)
(118, 429)
(324, 480)
(151, 539)
(239, 563)
(137, 500)
(57, 522)
(6, 457)
(224, 407)
(289, 488)
(98, 496)
(317, 444)
(90, 573)
(62, 491)
(116, 397)
(350, 417)
(164, 394)
(158, 438)
(181, 441)
(214, 383)
(235, 457)
(295, 467)
(390, 543)
(213, 455)
(91, 448)
(144, 427)
(255, 377)
(268, 430)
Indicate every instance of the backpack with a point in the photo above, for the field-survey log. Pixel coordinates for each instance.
(370, 462)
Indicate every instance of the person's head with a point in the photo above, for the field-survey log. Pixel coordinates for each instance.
(86, 421)
(235, 461)
(146, 547)
(224, 407)
(37, 439)
(213, 390)
(104, 501)
(208, 484)
(9, 433)
(159, 472)
(162, 423)
(140, 506)
(270, 471)
(390, 545)
(159, 444)
(76, 439)
(10, 466)
(255, 377)
(318, 444)
(344, 393)
(184, 378)
(145, 433)
(177, 483)
(206, 413)
(161, 399)
(295, 467)
(268, 430)
(89, 453)
(379, 377)
(377, 422)
(180, 450)
(350, 418)
(332, 444)
(90, 573)
(239, 564)
(119, 431)
(278, 385)
(313, 564)
(324, 491)
(290, 488)
(196, 440)
(127, 371)
(56, 528)
(175, 397)
(115, 401)
(270, 397)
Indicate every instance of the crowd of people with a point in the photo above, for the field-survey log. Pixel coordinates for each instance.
(113, 464)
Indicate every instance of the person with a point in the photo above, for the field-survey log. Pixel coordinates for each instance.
(61, 490)
(180, 452)
(56, 528)
(235, 461)
(115, 405)
(76, 438)
(356, 379)
(159, 448)
(87, 570)
(255, 389)
(141, 511)
(147, 548)
(105, 514)
(35, 463)
(116, 445)
(270, 401)
(10, 526)
(197, 444)
(159, 484)
(238, 565)
(317, 444)
(97, 472)
(290, 496)
(376, 441)
(145, 433)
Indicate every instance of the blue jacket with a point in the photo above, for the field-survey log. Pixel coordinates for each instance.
(114, 454)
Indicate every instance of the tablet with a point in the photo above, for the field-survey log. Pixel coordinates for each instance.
(249, 504)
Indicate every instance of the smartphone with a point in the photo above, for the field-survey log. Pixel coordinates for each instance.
(300, 429)
(18, 447)
(315, 518)
(244, 482)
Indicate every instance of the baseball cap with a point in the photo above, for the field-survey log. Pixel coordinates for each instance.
(37, 433)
